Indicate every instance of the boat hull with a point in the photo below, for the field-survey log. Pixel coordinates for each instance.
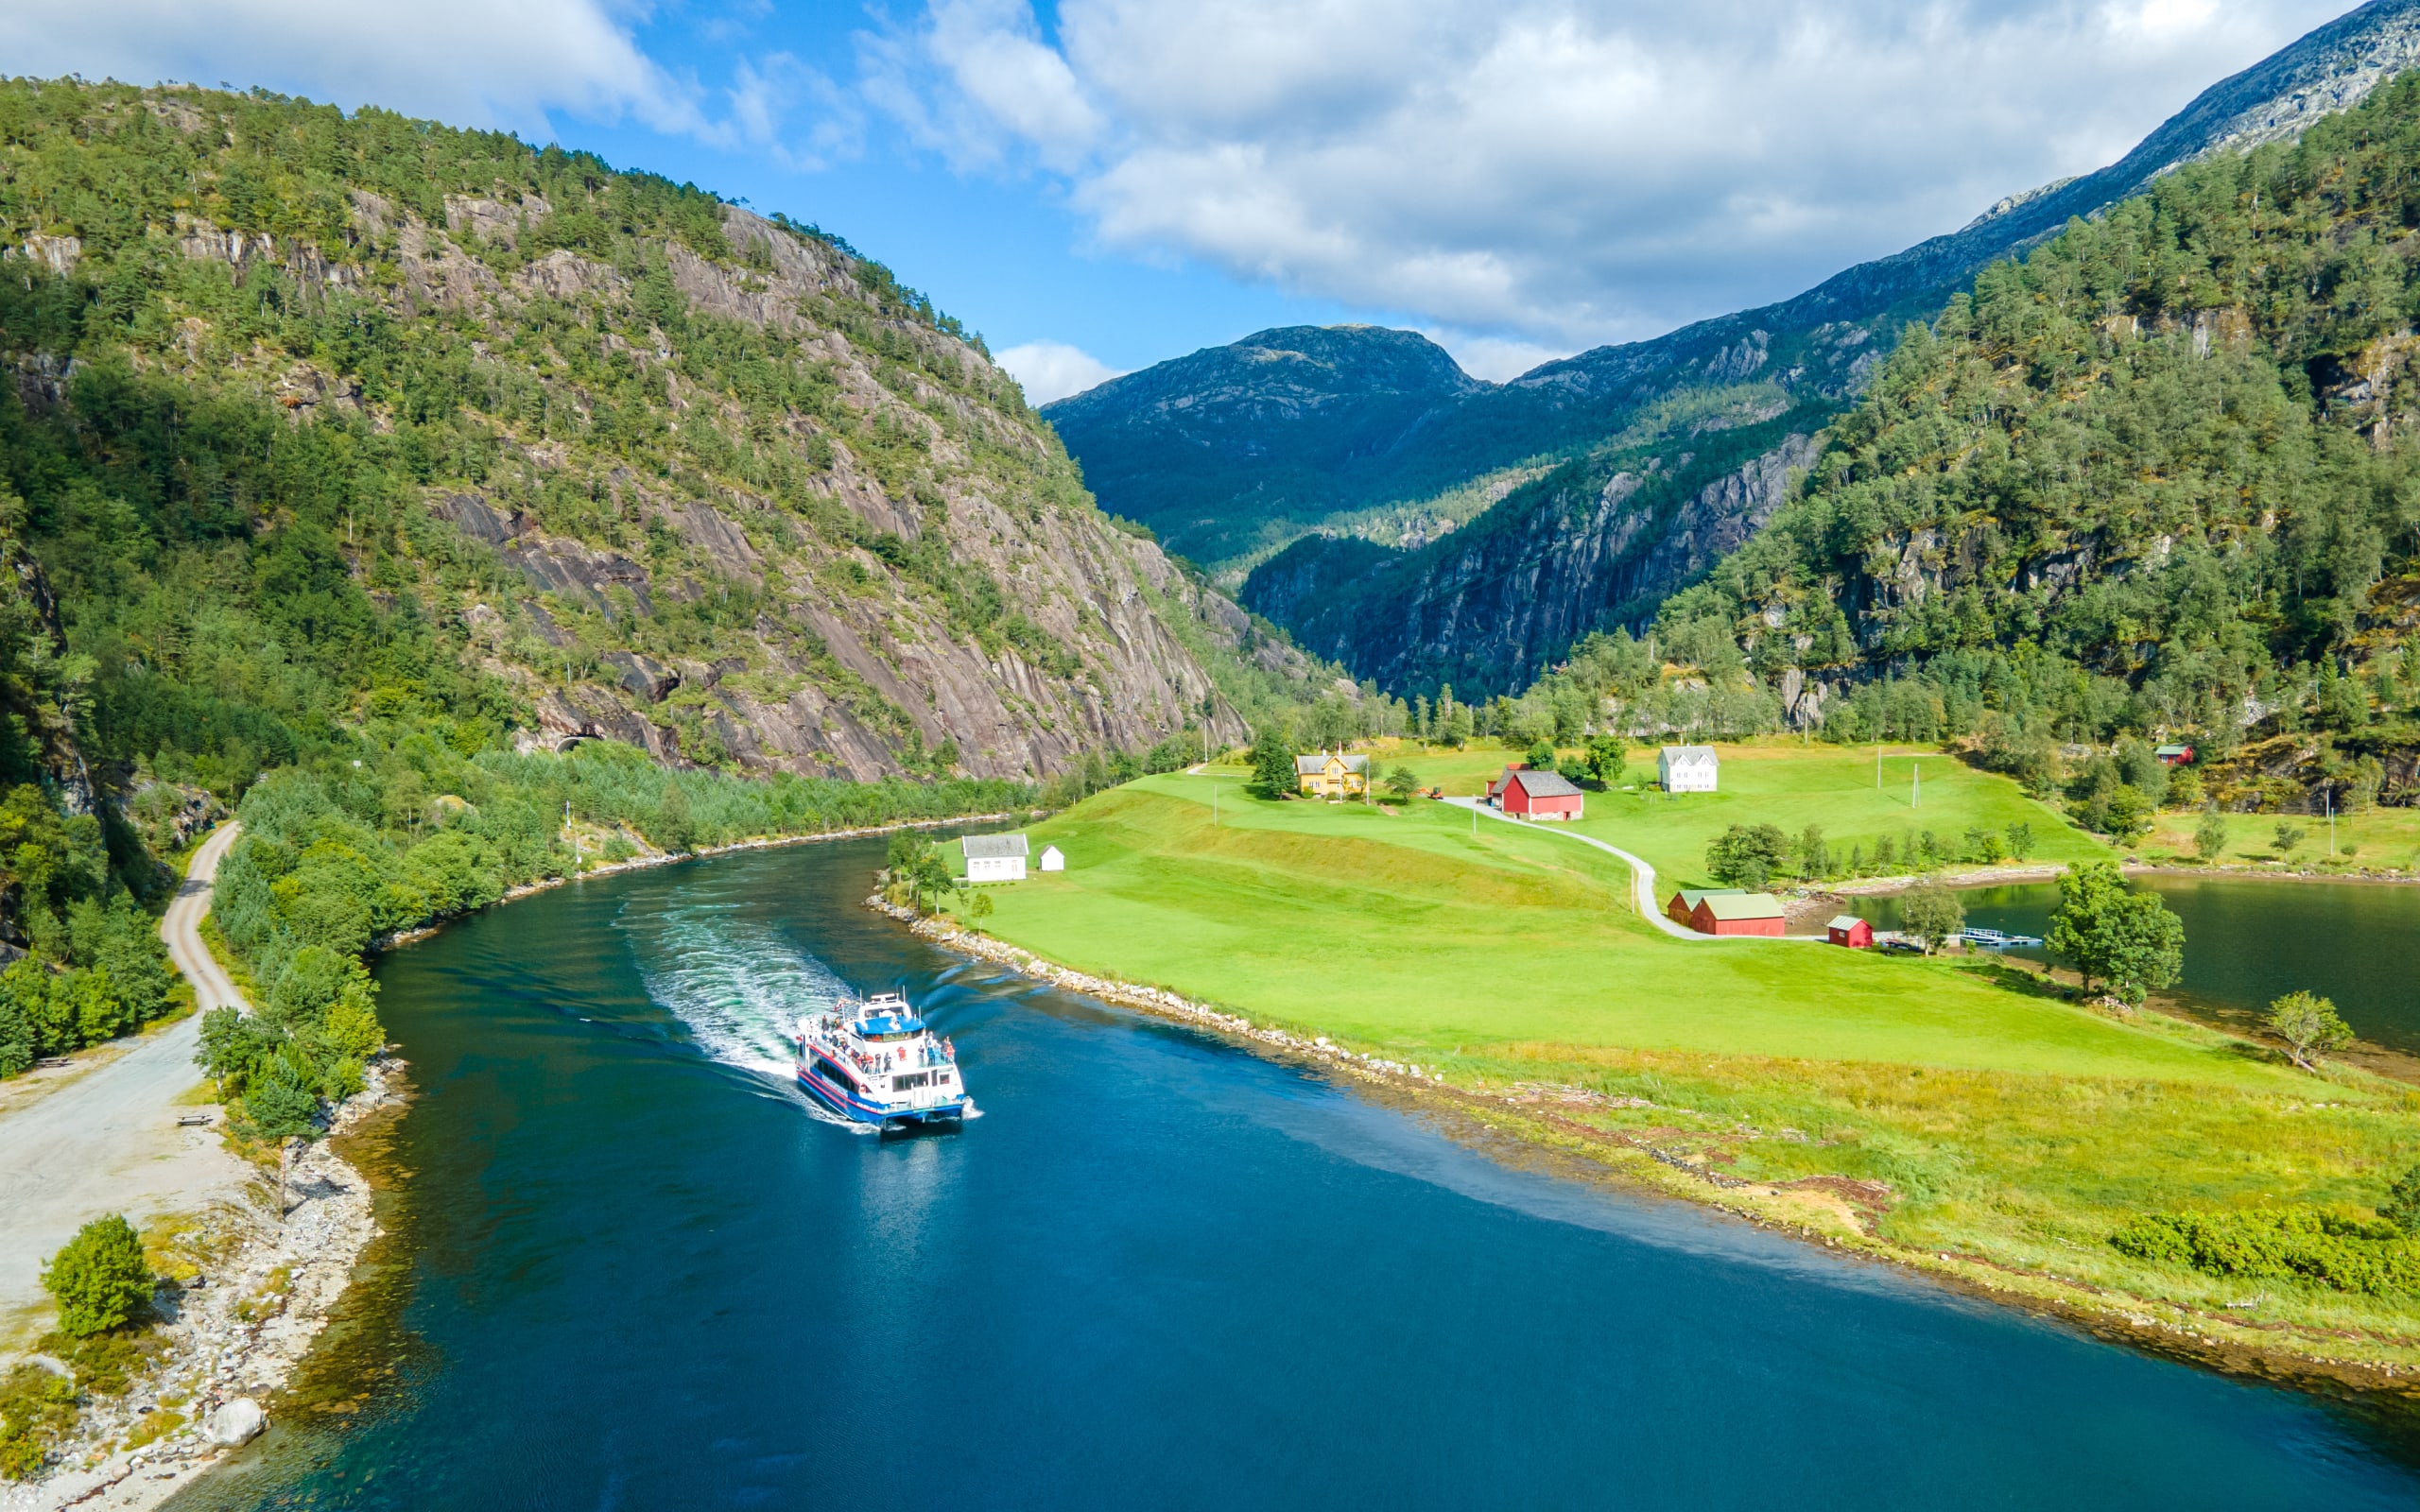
(856, 1108)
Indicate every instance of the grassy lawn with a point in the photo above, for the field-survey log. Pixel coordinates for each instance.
(2383, 839)
(1792, 785)
(2005, 1123)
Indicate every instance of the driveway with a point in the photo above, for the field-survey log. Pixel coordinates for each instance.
(109, 1141)
(1642, 878)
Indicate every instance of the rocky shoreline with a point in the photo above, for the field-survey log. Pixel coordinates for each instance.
(234, 1334)
(1531, 1118)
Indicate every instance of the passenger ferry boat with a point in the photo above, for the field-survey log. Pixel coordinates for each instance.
(878, 1063)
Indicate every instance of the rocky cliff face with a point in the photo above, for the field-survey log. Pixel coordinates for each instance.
(730, 494)
(1486, 608)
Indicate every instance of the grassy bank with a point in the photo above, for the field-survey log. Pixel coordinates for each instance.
(1912, 1108)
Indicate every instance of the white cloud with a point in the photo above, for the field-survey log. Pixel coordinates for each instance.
(1551, 173)
(1494, 358)
(1053, 369)
(496, 62)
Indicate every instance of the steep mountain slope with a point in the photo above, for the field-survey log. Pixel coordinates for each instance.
(1807, 356)
(1275, 433)
(2162, 474)
(668, 472)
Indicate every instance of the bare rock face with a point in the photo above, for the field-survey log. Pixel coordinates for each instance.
(968, 613)
(1486, 607)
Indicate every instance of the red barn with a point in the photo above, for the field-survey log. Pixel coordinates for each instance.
(1539, 795)
(1851, 930)
(1738, 913)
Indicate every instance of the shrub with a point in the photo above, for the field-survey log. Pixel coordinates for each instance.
(36, 1406)
(99, 1277)
(2286, 1244)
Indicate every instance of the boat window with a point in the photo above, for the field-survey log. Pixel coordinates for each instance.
(904, 1083)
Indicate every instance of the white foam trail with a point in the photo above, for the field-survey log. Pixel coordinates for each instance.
(736, 983)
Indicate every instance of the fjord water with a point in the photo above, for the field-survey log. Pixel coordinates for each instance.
(628, 1267)
(2250, 941)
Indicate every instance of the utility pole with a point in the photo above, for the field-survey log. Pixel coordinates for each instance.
(2331, 824)
(1917, 800)
(1877, 769)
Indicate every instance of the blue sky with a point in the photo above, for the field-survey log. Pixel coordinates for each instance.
(1099, 184)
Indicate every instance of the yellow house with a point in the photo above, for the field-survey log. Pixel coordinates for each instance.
(1334, 777)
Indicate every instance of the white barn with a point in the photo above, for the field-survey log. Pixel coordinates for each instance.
(995, 857)
(1686, 769)
(1052, 860)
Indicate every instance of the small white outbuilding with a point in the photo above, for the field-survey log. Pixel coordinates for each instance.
(1686, 769)
(995, 857)
(1052, 860)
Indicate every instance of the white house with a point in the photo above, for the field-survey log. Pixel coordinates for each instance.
(1686, 769)
(995, 857)
(1052, 860)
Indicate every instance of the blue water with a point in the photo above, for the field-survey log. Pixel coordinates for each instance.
(630, 1268)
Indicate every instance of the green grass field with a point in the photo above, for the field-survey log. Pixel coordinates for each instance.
(2007, 1123)
(1793, 786)
(2382, 839)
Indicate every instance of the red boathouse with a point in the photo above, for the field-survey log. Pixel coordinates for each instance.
(1851, 930)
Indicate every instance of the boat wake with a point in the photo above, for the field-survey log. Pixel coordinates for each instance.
(735, 983)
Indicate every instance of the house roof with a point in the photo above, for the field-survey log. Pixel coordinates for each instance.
(1728, 905)
(1052, 851)
(1691, 896)
(994, 846)
(1689, 755)
(1844, 921)
(2171, 750)
(1543, 784)
(1316, 763)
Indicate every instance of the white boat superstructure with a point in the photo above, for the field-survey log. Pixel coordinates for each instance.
(876, 1062)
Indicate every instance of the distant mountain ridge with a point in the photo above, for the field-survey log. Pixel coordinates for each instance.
(1272, 471)
(1269, 429)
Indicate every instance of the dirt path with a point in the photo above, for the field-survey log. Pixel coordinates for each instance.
(109, 1142)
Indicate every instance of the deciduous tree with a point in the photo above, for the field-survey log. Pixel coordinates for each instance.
(2308, 1024)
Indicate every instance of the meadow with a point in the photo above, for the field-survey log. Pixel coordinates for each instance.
(1963, 1105)
(1856, 801)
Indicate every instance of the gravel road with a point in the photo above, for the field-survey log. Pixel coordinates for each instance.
(109, 1141)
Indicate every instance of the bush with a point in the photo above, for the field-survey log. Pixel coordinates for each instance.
(2286, 1244)
(36, 1406)
(99, 1277)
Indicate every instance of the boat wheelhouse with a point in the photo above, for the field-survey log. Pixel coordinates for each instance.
(876, 1062)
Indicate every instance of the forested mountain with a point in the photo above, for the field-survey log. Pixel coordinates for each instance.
(1271, 434)
(353, 468)
(667, 470)
(2161, 475)
(1582, 540)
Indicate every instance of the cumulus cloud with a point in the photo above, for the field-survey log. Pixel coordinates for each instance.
(496, 63)
(1053, 369)
(1548, 174)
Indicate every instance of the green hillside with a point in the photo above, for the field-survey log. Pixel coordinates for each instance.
(444, 502)
(2162, 466)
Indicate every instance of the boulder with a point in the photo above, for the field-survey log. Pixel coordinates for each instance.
(238, 1423)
